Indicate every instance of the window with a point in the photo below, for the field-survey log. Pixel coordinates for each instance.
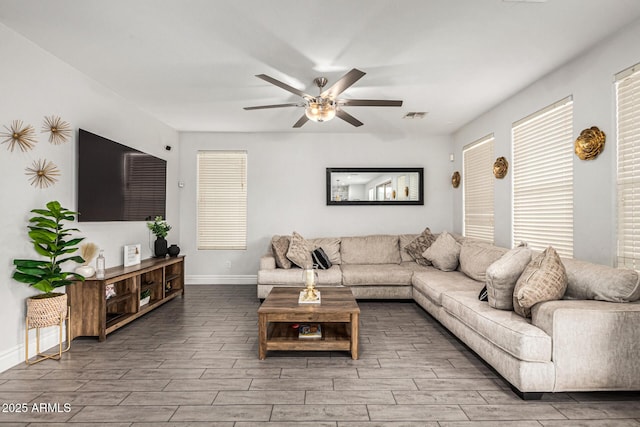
(222, 200)
(628, 171)
(477, 159)
(543, 179)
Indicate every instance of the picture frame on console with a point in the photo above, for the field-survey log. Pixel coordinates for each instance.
(375, 186)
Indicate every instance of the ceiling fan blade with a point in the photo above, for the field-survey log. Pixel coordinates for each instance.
(304, 119)
(370, 103)
(343, 84)
(283, 85)
(348, 118)
(262, 107)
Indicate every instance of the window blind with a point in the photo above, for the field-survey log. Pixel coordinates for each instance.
(628, 170)
(477, 183)
(543, 179)
(222, 200)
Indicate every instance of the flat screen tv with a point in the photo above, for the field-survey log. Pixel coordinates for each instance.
(118, 183)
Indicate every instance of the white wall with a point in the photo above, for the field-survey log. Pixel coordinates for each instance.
(589, 79)
(34, 84)
(286, 187)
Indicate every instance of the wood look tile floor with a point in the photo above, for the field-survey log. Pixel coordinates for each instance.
(194, 362)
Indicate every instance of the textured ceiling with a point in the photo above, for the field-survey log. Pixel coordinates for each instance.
(191, 63)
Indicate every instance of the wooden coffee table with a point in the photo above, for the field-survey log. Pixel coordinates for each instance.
(338, 315)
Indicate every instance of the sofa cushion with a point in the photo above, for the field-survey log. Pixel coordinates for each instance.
(503, 274)
(299, 251)
(476, 256)
(600, 282)
(444, 252)
(504, 329)
(374, 249)
(294, 277)
(417, 246)
(405, 239)
(433, 283)
(379, 274)
(330, 245)
(544, 279)
(280, 247)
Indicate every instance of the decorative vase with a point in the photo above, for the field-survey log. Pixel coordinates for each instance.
(160, 247)
(173, 250)
(85, 271)
(46, 310)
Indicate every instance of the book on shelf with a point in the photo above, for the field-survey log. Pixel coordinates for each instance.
(312, 330)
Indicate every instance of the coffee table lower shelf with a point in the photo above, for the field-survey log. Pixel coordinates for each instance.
(283, 336)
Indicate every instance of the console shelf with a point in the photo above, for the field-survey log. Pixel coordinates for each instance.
(93, 315)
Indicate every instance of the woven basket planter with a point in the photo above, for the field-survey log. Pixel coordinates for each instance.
(49, 311)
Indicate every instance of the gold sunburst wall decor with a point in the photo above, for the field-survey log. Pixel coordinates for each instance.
(22, 136)
(455, 179)
(43, 173)
(59, 130)
(500, 167)
(590, 143)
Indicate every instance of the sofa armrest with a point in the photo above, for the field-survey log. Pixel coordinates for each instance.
(595, 343)
(267, 262)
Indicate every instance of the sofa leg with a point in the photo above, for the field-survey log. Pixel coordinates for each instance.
(527, 395)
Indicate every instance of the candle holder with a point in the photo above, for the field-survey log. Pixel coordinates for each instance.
(310, 294)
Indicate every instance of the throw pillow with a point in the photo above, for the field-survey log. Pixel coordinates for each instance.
(280, 246)
(544, 279)
(330, 246)
(299, 251)
(482, 296)
(405, 239)
(444, 252)
(320, 259)
(420, 244)
(502, 276)
(476, 256)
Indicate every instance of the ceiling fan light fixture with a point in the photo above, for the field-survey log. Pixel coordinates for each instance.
(320, 110)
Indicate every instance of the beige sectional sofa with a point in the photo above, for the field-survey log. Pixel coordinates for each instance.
(579, 343)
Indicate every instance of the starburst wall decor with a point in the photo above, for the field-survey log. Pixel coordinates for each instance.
(59, 130)
(22, 136)
(43, 173)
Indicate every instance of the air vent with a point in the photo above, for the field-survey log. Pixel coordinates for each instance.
(415, 115)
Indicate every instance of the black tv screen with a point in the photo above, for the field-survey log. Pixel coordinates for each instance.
(118, 183)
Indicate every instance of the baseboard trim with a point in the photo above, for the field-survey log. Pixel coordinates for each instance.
(221, 279)
(15, 355)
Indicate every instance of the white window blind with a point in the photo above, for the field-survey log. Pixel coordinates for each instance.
(222, 200)
(477, 177)
(543, 179)
(628, 171)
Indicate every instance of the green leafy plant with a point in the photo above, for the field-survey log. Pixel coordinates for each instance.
(48, 235)
(145, 293)
(159, 227)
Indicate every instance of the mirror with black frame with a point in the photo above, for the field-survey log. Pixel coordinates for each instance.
(375, 186)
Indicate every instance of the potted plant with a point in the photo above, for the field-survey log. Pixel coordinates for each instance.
(145, 297)
(49, 237)
(160, 229)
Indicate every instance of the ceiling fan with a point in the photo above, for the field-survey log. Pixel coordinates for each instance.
(326, 105)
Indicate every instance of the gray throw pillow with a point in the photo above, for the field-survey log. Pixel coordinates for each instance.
(544, 279)
(299, 251)
(420, 244)
(280, 247)
(502, 276)
(444, 252)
